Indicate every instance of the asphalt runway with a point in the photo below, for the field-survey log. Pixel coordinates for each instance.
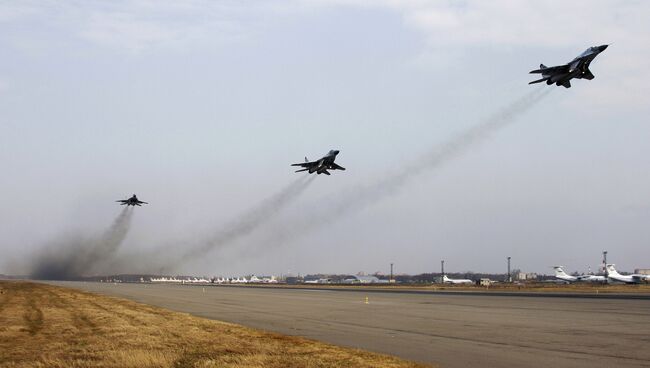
(451, 330)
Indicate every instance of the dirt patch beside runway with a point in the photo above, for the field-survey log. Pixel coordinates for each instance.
(49, 326)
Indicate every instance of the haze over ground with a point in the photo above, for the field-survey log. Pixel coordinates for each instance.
(200, 107)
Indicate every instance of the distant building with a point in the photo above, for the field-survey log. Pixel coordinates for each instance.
(523, 276)
(485, 282)
(293, 280)
(642, 271)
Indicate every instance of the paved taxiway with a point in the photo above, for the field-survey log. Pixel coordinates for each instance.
(452, 330)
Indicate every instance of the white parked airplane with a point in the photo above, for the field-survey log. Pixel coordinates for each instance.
(612, 274)
(447, 280)
(254, 280)
(560, 274)
(270, 280)
(239, 280)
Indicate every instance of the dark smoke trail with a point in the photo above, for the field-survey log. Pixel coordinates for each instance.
(353, 200)
(107, 246)
(76, 255)
(361, 197)
(251, 220)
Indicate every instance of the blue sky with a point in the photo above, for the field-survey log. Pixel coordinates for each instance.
(199, 107)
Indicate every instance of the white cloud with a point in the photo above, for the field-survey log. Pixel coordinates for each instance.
(15, 10)
(141, 25)
(123, 30)
(451, 29)
(517, 23)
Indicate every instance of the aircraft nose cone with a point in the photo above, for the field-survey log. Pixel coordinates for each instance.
(602, 48)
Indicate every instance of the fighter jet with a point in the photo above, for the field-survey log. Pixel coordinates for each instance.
(133, 201)
(577, 68)
(321, 166)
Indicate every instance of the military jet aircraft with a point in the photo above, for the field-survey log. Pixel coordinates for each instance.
(133, 201)
(321, 166)
(577, 68)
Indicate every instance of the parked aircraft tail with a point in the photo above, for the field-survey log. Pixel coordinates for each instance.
(559, 271)
(611, 270)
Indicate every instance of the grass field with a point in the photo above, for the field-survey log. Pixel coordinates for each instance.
(49, 326)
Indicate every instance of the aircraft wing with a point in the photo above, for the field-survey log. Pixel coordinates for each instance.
(337, 167)
(639, 278)
(306, 164)
(552, 70)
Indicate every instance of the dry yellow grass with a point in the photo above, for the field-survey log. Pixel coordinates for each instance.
(49, 326)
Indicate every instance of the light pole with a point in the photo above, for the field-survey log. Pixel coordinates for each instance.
(509, 277)
(442, 271)
(391, 273)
